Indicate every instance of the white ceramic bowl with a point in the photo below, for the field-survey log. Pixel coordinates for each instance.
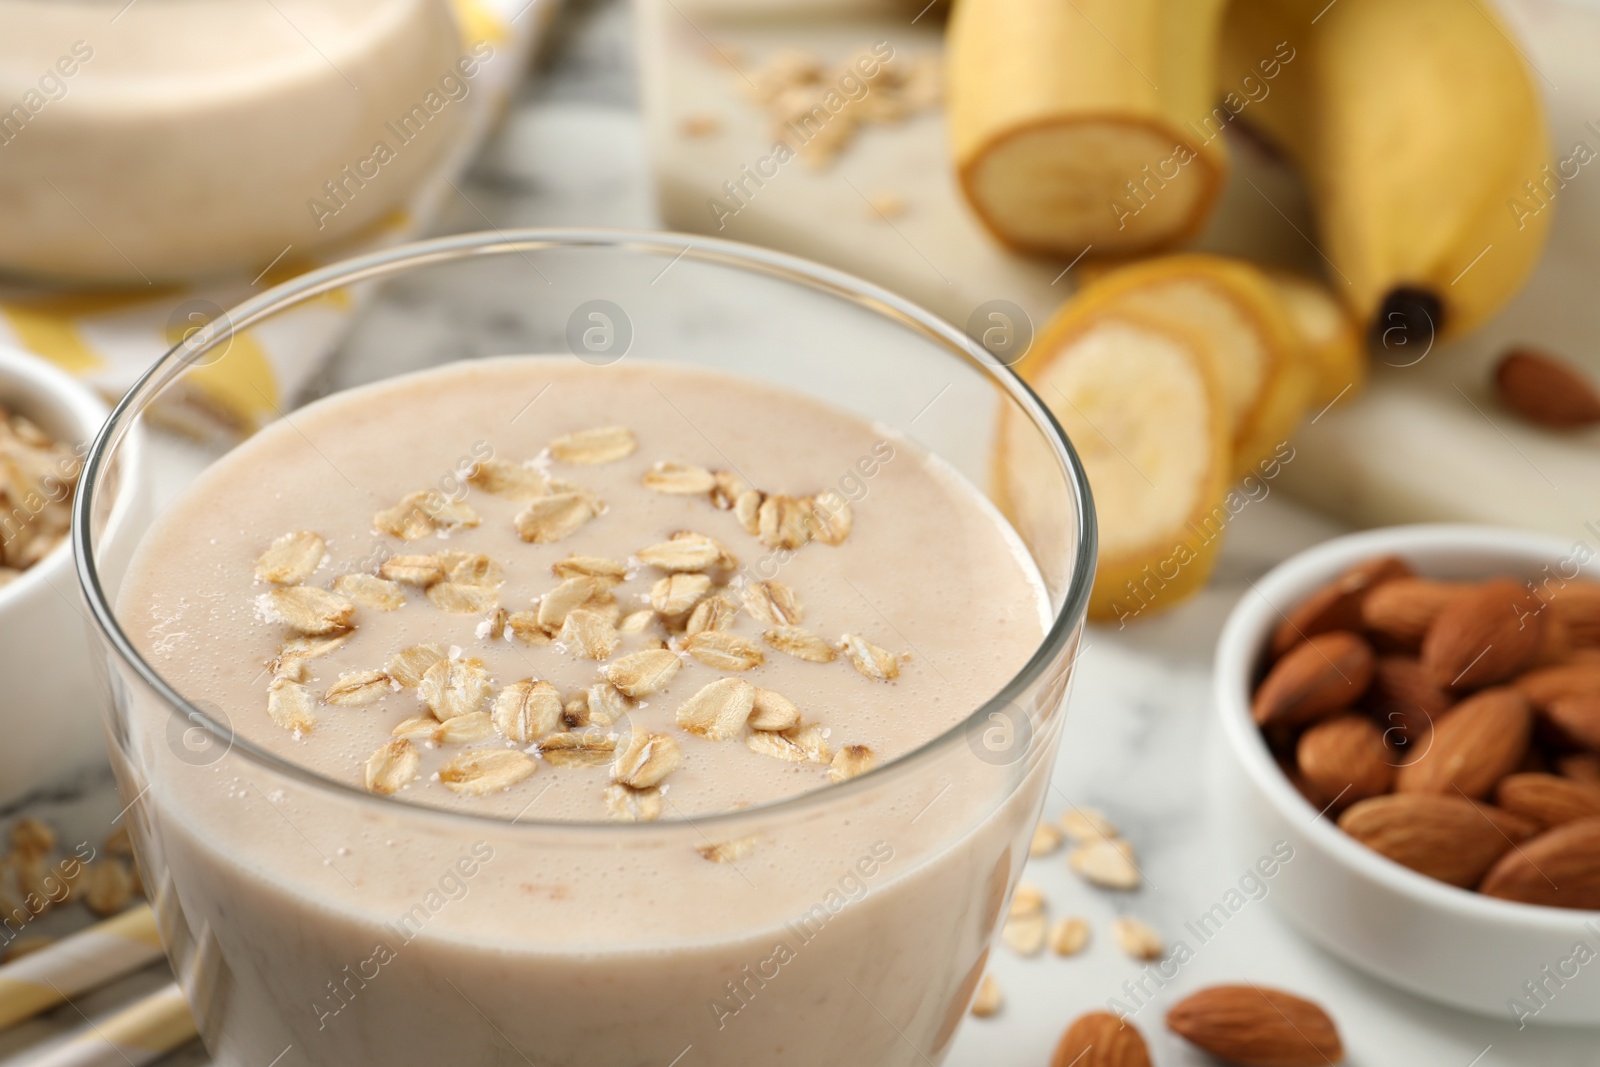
(1440, 942)
(49, 699)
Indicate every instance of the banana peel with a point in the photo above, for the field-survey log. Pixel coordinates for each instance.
(1420, 131)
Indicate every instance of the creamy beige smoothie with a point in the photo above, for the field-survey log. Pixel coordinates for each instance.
(520, 608)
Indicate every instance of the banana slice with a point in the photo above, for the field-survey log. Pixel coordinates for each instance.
(1141, 404)
(1331, 338)
(1245, 334)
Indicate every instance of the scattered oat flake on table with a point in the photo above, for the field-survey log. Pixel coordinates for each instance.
(1027, 899)
(1087, 824)
(1026, 935)
(1069, 936)
(1046, 839)
(1108, 864)
(108, 887)
(989, 998)
(1137, 938)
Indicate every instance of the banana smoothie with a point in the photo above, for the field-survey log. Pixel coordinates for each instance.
(566, 704)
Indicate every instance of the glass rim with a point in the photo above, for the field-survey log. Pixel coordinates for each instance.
(401, 258)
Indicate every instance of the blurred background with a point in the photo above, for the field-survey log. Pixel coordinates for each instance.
(1376, 226)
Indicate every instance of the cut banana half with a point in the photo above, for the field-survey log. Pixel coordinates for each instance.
(1329, 335)
(1244, 332)
(1089, 124)
(1141, 404)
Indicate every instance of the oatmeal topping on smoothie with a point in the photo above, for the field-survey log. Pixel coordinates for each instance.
(597, 588)
(692, 612)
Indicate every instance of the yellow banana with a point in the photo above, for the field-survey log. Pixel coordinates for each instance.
(1086, 123)
(1418, 127)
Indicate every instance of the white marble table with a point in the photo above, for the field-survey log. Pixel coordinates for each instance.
(1140, 742)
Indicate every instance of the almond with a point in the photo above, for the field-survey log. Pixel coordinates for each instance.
(1545, 390)
(1405, 702)
(1447, 838)
(1100, 1039)
(1575, 721)
(1579, 766)
(1577, 605)
(1337, 605)
(1257, 1027)
(1484, 636)
(1480, 741)
(1320, 675)
(1545, 686)
(1400, 612)
(1560, 869)
(1556, 645)
(1346, 759)
(1547, 799)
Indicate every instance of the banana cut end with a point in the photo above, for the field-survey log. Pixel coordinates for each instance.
(1116, 186)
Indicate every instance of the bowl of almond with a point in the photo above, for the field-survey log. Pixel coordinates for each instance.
(1416, 711)
(50, 705)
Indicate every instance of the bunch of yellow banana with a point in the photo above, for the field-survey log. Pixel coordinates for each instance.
(1416, 124)
(1177, 378)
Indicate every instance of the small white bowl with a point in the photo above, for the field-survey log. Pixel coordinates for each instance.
(49, 709)
(1437, 941)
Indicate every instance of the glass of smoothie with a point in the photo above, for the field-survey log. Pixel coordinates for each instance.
(657, 683)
